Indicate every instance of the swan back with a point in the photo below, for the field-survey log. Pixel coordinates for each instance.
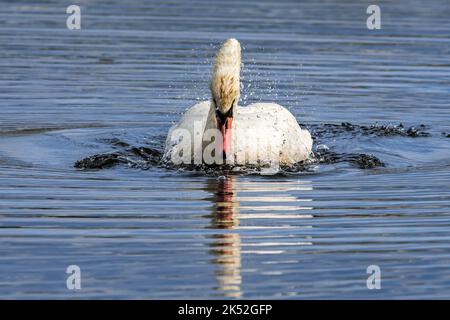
(265, 134)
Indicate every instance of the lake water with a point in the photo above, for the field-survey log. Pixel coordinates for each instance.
(128, 75)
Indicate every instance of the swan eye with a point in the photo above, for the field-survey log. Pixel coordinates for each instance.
(230, 112)
(220, 116)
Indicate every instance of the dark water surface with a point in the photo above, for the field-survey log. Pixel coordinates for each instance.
(131, 71)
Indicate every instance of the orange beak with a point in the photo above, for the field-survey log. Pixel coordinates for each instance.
(225, 129)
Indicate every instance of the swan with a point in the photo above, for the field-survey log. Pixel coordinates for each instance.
(219, 131)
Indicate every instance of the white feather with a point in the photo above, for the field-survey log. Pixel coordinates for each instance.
(265, 133)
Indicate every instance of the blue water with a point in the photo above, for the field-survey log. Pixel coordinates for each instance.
(132, 70)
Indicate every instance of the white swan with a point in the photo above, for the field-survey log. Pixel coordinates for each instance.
(219, 131)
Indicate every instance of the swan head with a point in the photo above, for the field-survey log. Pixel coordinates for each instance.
(225, 88)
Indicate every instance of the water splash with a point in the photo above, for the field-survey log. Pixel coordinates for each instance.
(143, 157)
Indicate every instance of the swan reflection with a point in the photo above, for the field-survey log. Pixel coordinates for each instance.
(227, 246)
(275, 201)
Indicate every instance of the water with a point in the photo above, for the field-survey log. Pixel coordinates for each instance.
(157, 233)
